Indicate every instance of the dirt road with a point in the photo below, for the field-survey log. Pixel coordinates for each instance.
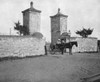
(58, 68)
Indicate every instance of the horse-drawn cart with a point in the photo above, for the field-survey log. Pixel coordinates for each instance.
(61, 47)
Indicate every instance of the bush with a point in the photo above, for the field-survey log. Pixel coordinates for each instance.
(84, 32)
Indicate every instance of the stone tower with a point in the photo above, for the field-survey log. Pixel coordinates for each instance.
(31, 19)
(58, 26)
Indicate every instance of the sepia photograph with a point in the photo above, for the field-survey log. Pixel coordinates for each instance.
(49, 41)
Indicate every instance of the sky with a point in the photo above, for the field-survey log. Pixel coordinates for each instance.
(81, 13)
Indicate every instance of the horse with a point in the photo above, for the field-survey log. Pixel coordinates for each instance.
(69, 45)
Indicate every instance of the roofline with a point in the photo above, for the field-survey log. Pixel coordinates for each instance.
(58, 16)
(31, 10)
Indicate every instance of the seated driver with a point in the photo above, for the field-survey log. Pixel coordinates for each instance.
(58, 41)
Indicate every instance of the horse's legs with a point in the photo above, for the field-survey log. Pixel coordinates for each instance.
(62, 51)
(65, 50)
(70, 51)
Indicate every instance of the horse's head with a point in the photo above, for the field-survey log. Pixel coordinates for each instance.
(74, 43)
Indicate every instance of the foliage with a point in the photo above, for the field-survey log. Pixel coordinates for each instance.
(22, 30)
(84, 32)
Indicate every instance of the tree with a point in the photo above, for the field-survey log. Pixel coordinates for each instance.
(22, 30)
(84, 32)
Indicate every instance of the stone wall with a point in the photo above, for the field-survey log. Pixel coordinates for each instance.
(21, 46)
(85, 44)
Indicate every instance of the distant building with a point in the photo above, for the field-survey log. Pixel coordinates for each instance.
(58, 25)
(31, 19)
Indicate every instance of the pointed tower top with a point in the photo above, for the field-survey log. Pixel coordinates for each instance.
(31, 4)
(58, 10)
(31, 8)
(59, 14)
